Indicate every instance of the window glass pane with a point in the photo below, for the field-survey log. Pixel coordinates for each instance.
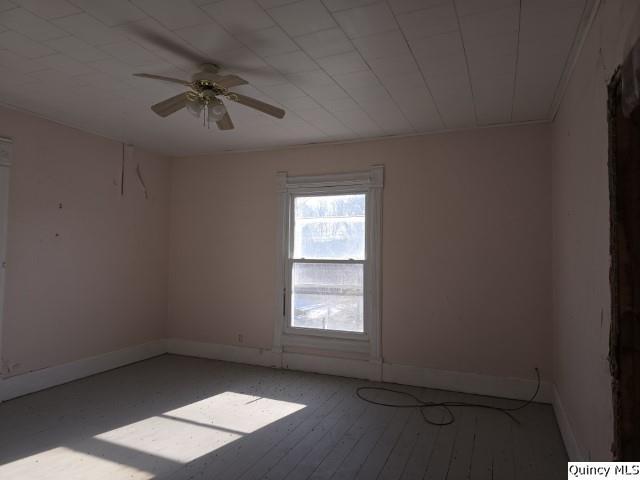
(329, 227)
(327, 296)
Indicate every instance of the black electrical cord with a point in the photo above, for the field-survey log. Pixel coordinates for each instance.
(423, 406)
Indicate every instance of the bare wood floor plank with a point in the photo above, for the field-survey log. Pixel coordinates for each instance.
(336, 457)
(399, 456)
(444, 449)
(239, 456)
(310, 462)
(428, 437)
(258, 390)
(465, 425)
(539, 448)
(378, 456)
(499, 437)
(354, 460)
(348, 407)
(282, 448)
(503, 466)
(482, 458)
(523, 451)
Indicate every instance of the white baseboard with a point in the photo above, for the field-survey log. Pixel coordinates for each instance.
(516, 388)
(505, 387)
(229, 353)
(19, 385)
(343, 367)
(574, 452)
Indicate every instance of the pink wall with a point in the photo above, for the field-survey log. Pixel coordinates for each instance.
(581, 299)
(466, 251)
(90, 277)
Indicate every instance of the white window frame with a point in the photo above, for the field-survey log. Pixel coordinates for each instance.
(370, 183)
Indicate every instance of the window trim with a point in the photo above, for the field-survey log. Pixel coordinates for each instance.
(370, 183)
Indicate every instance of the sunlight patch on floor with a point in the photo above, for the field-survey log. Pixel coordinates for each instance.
(62, 463)
(155, 445)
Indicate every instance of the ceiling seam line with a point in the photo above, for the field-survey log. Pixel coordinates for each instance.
(377, 77)
(286, 76)
(515, 71)
(573, 55)
(18, 6)
(466, 61)
(293, 39)
(574, 44)
(424, 80)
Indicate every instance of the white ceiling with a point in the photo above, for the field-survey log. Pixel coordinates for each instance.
(342, 69)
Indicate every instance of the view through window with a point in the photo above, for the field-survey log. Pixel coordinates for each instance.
(327, 263)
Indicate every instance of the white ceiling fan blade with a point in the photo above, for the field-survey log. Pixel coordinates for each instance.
(170, 105)
(225, 122)
(228, 81)
(163, 78)
(257, 104)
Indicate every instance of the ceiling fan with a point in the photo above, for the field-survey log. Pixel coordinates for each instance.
(207, 88)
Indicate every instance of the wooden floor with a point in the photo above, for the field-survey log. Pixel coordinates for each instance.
(184, 418)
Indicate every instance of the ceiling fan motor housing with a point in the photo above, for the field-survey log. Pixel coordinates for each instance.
(208, 73)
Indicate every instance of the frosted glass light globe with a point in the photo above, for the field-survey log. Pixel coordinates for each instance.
(194, 107)
(216, 111)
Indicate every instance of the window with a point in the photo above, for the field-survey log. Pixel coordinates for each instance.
(330, 261)
(327, 262)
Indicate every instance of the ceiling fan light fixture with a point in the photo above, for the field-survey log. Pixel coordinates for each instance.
(216, 110)
(194, 107)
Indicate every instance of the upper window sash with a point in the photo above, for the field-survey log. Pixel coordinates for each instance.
(291, 237)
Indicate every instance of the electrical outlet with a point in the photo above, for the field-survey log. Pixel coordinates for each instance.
(240, 338)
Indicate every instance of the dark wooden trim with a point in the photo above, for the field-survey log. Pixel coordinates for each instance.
(624, 355)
